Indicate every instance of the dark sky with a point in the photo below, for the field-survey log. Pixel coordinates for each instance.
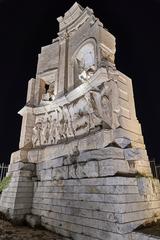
(25, 26)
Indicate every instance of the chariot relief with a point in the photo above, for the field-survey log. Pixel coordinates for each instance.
(78, 118)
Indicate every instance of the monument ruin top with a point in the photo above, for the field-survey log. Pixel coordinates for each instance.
(77, 90)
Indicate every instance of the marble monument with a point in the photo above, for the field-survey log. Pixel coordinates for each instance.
(82, 169)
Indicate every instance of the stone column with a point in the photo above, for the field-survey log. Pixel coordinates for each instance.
(63, 65)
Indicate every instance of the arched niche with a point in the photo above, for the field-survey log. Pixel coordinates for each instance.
(84, 62)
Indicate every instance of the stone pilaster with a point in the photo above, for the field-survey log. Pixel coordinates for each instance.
(27, 127)
(30, 92)
(63, 65)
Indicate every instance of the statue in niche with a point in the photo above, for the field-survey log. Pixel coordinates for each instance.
(49, 93)
(85, 65)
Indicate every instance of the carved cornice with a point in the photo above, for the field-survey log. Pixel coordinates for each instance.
(26, 109)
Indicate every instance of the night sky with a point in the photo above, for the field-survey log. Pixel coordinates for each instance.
(25, 26)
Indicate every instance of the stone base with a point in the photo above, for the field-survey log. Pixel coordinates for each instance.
(16, 199)
(89, 208)
(96, 208)
(84, 192)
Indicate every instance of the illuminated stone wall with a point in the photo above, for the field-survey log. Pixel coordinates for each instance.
(82, 169)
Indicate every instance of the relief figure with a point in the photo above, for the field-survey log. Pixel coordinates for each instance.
(46, 125)
(36, 136)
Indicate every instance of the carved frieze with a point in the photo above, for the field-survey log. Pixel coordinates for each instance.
(89, 112)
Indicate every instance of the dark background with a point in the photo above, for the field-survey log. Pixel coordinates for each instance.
(25, 26)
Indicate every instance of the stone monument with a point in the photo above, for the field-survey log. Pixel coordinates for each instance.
(82, 168)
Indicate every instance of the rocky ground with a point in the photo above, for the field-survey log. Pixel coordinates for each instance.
(10, 232)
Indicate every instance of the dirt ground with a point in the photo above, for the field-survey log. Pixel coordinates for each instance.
(151, 229)
(11, 232)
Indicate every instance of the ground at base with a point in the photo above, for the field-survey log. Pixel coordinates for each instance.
(8, 231)
(151, 229)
